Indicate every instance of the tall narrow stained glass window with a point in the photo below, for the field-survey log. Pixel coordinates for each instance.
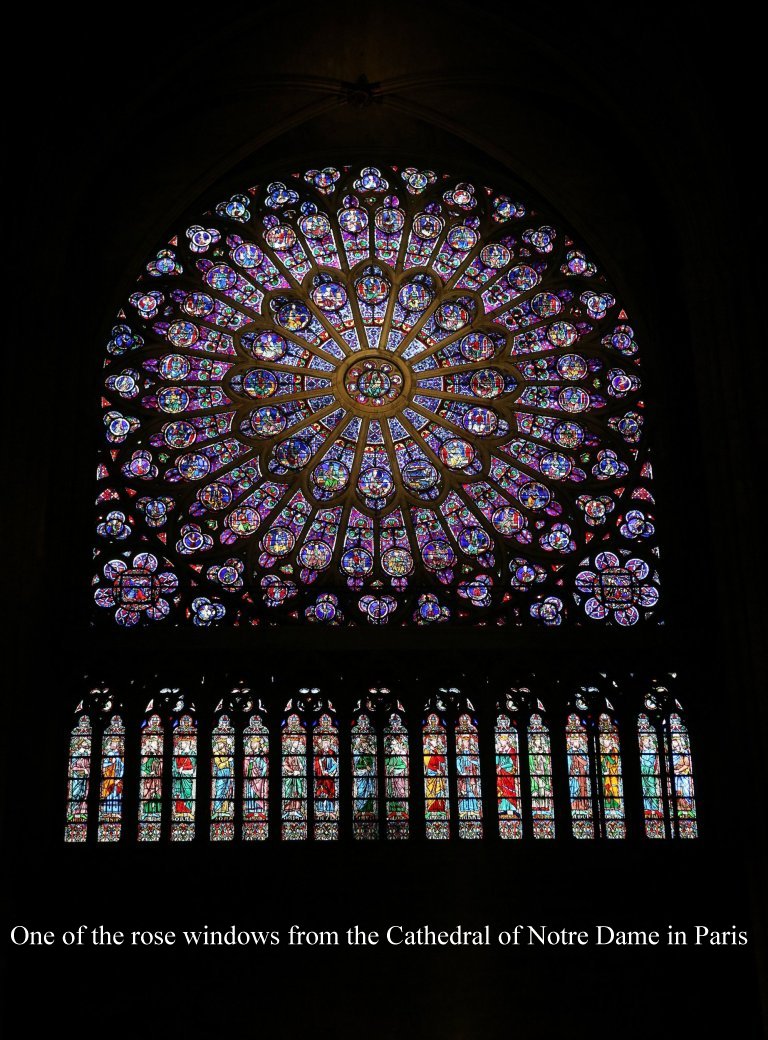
(654, 817)
(680, 779)
(612, 784)
(325, 750)
(184, 779)
(509, 804)
(540, 773)
(294, 792)
(111, 788)
(78, 780)
(418, 389)
(579, 778)
(151, 779)
(365, 780)
(436, 794)
(255, 780)
(223, 781)
(470, 803)
(397, 777)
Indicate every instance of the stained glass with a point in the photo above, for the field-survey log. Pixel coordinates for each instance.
(508, 779)
(255, 780)
(111, 789)
(612, 792)
(579, 778)
(681, 779)
(365, 784)
(151, 779)
(184, 779)
(294, 794)
(650, 779)
(436, 797)
(423, 396)
(397, 777)
(325, 751)
(78, 781)
(223, 781)
(540, 772)
(470, 806)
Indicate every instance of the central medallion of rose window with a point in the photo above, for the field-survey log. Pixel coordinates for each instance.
(373, 383)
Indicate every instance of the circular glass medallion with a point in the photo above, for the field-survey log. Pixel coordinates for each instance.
(415, 296)
(293, 453)
(476, 346)
(457, 454)
(398, 563)
(356, 562)
(267, 421)
(376, 482)
(278, 541)
(373, 383)
(481, 422)
(372, 289)
(314, 555)
(438, 555)
(294, 316)
(420, 475)
(508, 520)
(330, 476)
(533, 495)
(243, 521)
(172, 399)
(487, 382)
(495, 255)
(179, 434)
(174, 366)
(215, 496)
(193, 467)
(568, 435)
(264, 346)
(452, 316)
(330, 296)
(260, 382)
(474, 541)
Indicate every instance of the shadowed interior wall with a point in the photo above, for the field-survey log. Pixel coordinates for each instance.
(637, 130)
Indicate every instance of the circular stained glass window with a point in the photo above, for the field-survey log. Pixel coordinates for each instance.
(398, 385)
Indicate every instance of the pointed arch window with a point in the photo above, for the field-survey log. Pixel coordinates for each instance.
(611, 780)
(78, 780)
(508, 794)
(184, 778)
(365, 779)
(666, 768)
(681, 779)
(654, 815)
(255, 780)
(540, 773)
(111, 787)
(436, 795)
(397, 777)
(151, 778)
(325, 750)
(294, 790)
(223, 780)
(468, 778)
(579, 778)
(595, 781)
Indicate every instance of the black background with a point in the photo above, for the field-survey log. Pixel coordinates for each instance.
(642, 130)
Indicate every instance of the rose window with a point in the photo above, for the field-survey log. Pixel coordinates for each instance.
(384, 396)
